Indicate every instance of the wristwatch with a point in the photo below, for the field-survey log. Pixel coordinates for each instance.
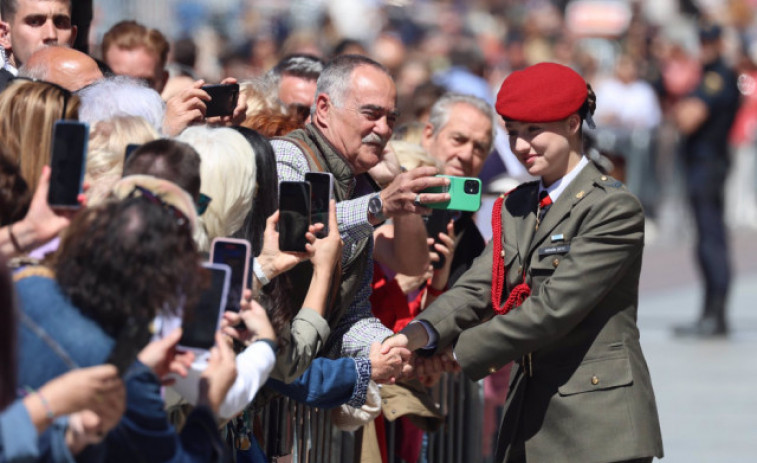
(376, 207)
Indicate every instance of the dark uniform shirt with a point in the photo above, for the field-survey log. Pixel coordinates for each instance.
(718, 90)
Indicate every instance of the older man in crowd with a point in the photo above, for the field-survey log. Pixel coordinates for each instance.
(69, 68)
(294, 79)
(353, 118)
(460, 134)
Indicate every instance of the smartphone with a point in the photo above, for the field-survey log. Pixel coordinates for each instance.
(223, 99)
(236, 254)
(321, 192)
(130, 148)
(294, 215)
(437, 223)
(200, 322)
(465, 194)
(68, 160)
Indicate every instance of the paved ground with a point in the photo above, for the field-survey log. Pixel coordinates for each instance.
(706, 390)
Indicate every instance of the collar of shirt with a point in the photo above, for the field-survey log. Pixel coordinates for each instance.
(556, 189)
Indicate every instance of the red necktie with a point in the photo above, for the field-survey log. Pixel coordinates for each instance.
(545, 202)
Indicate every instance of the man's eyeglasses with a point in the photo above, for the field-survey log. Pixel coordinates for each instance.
(64, 91)
(141, 192)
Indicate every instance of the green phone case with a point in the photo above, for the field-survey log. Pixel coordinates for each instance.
(460, 199)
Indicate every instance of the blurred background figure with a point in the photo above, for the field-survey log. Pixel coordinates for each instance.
(704, 119)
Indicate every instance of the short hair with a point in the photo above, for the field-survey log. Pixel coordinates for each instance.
(108, 140)
(168, 159)
(334, 80)
(300, 65)
(9, 8)
(440, 111)
(227, 172)
(121, 96)
(130, 35)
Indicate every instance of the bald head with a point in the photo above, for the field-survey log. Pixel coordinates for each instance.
(66, 67)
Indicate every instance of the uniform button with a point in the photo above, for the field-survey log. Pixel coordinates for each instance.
(594, 380)
(604, 177)
(555, 262)
(394, 412)
(492, 370)
(580, 195)
(520, 269)
(502, 253)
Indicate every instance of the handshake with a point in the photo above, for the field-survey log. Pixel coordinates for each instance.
(394, 359)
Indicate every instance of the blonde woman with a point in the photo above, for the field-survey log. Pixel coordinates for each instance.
(108, 140)
(29, 109)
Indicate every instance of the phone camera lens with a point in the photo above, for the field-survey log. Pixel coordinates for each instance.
(471, 187)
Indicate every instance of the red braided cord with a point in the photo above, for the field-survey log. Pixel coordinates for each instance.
(519, 292)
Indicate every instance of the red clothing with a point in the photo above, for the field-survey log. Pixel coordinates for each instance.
(389, 303)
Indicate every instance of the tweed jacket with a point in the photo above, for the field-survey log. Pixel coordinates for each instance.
(581, 390)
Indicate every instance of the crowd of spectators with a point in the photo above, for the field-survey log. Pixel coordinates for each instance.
(383, 95)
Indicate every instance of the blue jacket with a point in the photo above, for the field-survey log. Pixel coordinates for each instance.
(55, 337)
(328, 383)
(19, 442)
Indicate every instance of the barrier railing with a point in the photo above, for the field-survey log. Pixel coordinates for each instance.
(296, 433)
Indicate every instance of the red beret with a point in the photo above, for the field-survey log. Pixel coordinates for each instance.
(544, 92)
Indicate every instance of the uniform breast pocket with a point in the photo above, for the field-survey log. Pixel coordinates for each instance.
(547, 259)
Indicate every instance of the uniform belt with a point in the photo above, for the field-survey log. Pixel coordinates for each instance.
(527, 363)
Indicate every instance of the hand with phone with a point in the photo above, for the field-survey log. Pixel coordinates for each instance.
(442, 249)
(227, 105)
(163, 357)
(235, 253)
(252, 318)
(327, 250)
(464, 194)
(401, 195)
(185, 108)
(272, 259)
(41, 223)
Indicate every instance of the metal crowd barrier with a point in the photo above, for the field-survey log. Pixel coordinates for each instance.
(296, 433)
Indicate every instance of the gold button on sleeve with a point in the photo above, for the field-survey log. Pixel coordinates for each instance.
(594, 380)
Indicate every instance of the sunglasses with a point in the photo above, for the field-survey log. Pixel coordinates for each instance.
(202, 203)
(64, 91)
(141, 192)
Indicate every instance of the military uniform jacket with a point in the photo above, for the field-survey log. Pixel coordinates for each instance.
(586, 394)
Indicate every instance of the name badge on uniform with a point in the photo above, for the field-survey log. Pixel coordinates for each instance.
(549, 250)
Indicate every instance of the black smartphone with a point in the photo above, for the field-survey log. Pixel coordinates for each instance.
(437, 223)
(223, 99)
(321, 192)
(236, 254)
(200, 322)
(132, 338)
(68, 160)
(294, 215)
(130, 148)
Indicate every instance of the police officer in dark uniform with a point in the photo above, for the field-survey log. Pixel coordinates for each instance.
(704, 119)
